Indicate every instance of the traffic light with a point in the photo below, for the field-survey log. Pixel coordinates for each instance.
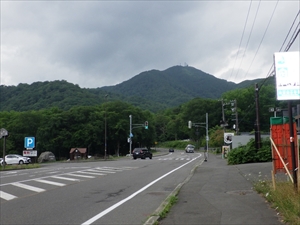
(146, 124)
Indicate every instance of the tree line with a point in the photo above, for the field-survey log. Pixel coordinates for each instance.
(59, 130)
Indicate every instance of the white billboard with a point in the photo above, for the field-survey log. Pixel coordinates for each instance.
(287, 75)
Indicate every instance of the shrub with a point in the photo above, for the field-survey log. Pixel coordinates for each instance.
(247, 153)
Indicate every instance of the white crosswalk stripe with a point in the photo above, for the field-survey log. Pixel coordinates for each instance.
(79, 175)
(28, 187)
(65, 178)
(176, 159)
(91, 173)
(101, 170)
(6, 196)
(50, 182)
(76, 176)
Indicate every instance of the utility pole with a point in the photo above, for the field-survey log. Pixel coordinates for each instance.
(207, 138)
(223, 115)
(237, 118)
(292, 142)
(234, 109)
(105, 142)
(257, 125)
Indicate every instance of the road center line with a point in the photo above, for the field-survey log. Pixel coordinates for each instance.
(103, 213)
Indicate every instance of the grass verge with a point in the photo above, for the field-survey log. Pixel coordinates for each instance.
(284, 199)
(19, 167)
(172, 200)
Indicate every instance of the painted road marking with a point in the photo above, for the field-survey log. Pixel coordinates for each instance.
(65, 178)
(108, 210)
(28, 187)
(6, 196)
(87, 172)
(50, 182)
(78, 175)
(100, 170)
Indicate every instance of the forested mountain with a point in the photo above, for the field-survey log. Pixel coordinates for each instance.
(71, 116)
(175, 86)
(153, 90)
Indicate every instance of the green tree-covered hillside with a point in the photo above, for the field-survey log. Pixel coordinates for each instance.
(151, 90)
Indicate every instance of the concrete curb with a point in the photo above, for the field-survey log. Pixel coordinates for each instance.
(156, 214)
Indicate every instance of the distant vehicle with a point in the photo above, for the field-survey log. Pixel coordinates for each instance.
(190, 148)
(171, 150)
(142, 153)
(16, 159)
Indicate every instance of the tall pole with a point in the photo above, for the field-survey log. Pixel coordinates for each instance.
(257, 128)
(4, 146)
(223, 114)
(206, 156)
(130, 133)
(105, 144)
(236, 118)
(291, 125)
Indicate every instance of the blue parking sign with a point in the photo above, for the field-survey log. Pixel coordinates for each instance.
(29, 142)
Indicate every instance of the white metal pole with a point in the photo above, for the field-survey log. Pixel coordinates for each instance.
(206, 157)
(130, 133)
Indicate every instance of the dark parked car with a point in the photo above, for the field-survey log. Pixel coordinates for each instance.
(142, 153)
(171, 150)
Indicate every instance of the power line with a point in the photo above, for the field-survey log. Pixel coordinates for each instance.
(249, 37)
(292, 40)
(262, 37)
(289, 30)
(241, 37)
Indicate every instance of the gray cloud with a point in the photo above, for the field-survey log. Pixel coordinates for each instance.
(101, 43)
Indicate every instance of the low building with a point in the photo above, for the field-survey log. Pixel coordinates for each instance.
(78, 153)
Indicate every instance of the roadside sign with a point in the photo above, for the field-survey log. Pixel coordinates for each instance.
(287, 75)
(228, 138)
(29, 142)
(30, 153)
(3, 133)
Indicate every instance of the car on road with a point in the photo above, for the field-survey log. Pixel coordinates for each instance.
(142, 153)
(171, 150)
(190, 148)
(16, 159)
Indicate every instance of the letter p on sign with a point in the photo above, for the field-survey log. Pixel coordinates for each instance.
(29, 142)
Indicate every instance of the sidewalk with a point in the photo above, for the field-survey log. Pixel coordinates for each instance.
(221, 194)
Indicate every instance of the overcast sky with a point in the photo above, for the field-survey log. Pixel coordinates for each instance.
(103, 43)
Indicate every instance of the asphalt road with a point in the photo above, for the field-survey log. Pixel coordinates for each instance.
(126, 191)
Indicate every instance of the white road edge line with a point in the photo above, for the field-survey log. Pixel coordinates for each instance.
(103, 213)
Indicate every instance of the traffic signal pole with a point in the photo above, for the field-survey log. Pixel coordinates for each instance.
(190, 124)
(130, 131)
(130, 134)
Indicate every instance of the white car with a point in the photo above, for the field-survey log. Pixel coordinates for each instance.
(190, 149)
(16, 159)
